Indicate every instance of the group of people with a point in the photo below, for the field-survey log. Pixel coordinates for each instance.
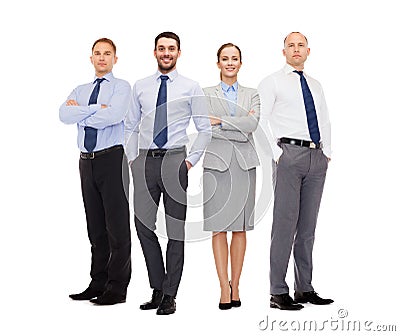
(144, 129)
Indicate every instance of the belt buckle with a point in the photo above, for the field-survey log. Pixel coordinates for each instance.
(313, 145)
(155, 154)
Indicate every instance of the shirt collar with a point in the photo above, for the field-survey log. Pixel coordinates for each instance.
(225, 87)
(109, 76)
(172, 75)
(287, 69)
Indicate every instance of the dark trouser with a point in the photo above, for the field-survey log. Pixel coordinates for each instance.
(153, 176)
(105, 183)
(299, 179)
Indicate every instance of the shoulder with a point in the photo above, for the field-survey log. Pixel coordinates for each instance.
(121, 83)
(210, 89)
(247, 90)
(270, 80)
(187, 81)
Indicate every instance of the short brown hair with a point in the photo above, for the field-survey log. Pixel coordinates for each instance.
(106, 40)
(170, 35)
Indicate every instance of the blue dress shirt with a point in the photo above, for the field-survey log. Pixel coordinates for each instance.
(185, 101)
(109, 122)
(230, 93)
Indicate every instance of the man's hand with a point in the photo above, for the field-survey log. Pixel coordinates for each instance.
(188, 165)
(215, 121)
(251, 112)
(72, 102)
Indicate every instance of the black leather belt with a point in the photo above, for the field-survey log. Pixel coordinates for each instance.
(302, 143)
(91, 156)
(161, 152)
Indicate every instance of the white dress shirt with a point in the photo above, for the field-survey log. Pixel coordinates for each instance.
(185, 100)
(283, 112)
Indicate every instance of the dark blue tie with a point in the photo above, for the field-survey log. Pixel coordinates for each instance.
(160, 131)
(312, 120)
(90, 132)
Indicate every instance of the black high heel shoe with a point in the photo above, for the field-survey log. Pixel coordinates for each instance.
(225, 305)
(234, 303)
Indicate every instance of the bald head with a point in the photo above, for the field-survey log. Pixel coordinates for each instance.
(288, 35)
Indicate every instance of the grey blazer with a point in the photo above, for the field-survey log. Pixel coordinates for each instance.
(235, 134)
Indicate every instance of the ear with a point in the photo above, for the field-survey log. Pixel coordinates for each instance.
(155, 53)
(218, 65)
(179, 53)
(115, 59)
(283, 52)
(308, 51)
(91, 59)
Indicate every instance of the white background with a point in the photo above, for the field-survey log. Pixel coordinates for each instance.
(45, 253)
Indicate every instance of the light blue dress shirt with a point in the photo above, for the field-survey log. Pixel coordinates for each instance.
(109, 122)
(185, 101)
(230, 93)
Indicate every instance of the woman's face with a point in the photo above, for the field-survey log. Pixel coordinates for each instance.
(229, 62)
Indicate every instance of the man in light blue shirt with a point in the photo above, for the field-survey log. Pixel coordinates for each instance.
(163, 105)
(99, 109)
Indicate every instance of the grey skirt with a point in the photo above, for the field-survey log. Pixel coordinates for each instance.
(229, 198)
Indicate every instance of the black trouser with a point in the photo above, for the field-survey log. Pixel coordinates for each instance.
(105, 183)
(153, 176)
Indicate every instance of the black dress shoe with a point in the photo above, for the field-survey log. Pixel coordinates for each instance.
(167, 306)
(87, 294)
(284, 302)
(109, 298)
(154, 302)
(311, 297)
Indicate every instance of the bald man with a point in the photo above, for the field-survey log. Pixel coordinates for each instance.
(295, 115)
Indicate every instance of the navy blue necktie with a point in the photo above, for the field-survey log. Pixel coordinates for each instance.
(312, 120)
(90, 132)
(160, 131)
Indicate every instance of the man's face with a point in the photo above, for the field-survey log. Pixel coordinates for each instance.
(167, 54)
(296, 50)
(103, 58)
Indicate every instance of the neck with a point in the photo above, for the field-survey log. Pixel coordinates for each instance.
(101, 74)
(229, 80)
(299, 67)
(165, 72)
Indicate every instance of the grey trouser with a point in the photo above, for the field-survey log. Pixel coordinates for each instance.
(153, 176)
(299, 179)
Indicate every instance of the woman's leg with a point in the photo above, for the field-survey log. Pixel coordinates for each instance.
(238, 249)
(220, 250)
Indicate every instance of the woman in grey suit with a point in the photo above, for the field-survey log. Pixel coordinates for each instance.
(229, 178)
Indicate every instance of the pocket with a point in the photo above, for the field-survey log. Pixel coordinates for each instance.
(183, 175)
